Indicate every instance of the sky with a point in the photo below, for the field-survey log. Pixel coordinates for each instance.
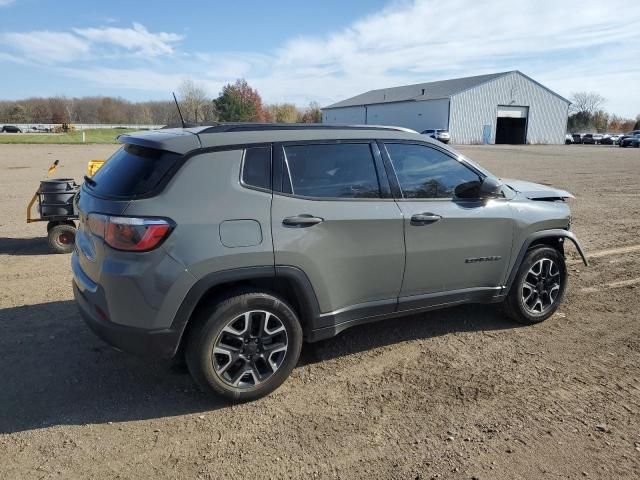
(296, 51)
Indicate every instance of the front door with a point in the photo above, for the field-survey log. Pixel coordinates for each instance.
(452, 244)
(331, 220)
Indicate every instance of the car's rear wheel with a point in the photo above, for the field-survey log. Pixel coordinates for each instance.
(244, 345)
(539, 286)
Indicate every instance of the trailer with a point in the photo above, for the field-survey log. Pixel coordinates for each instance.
(54, 202)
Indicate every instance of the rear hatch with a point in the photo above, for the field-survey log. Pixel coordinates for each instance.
(131, 173)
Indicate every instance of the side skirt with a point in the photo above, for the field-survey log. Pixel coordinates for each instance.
(342, 319)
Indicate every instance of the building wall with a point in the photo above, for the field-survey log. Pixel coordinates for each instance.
(415, 115)
(345, 115)
(474, 108)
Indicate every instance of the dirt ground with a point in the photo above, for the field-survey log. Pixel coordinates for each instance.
(459, 393)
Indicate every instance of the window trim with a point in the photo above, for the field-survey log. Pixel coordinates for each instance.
(393, 177)
(280, 163)
(242, 162)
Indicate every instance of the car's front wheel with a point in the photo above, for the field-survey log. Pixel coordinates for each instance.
(244, 346)
(539, 286)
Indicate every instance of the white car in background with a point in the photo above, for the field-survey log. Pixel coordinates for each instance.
(438, 133)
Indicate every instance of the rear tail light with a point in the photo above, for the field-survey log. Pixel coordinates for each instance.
(131, 234)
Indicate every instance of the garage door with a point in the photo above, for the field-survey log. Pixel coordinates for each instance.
(511, 124)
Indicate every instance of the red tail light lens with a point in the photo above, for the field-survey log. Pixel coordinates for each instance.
(130, 233)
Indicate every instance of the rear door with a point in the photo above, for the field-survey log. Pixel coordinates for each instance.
(452, 244)
(333, 217)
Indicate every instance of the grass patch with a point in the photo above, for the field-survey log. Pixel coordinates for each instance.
(100, 135)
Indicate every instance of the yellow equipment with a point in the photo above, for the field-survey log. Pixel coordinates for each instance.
(93, 167)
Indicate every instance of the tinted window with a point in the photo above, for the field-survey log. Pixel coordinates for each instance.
(336, 171)
(424, 172)
(132, 171)
(257, 167)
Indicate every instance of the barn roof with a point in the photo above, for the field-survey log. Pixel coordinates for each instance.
(420, 91)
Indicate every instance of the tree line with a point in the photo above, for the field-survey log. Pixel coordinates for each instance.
(237, 102)
(587, 115)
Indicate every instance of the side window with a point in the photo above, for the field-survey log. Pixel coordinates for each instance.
(256, 170)
(424, 172)
(332, 171)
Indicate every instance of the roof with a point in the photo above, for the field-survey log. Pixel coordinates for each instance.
(424, 91)
(432, 91)
(183, 140)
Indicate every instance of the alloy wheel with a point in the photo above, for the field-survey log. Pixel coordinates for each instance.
(541, 286)
(250, 349)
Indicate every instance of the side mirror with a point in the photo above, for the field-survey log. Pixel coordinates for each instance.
(490, 188)
(480, 189)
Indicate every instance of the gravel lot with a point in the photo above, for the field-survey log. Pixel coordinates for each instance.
(459, 393)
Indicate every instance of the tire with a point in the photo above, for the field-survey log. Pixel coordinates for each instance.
(531, 302)
(242, 370)
(62, 238)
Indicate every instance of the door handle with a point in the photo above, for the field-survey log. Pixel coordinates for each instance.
(424, 218)
(302, 220)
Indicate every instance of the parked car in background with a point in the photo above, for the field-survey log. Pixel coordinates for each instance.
(627, 135)
(568, 139)
(615, 138)
(266, 264)
(577, 137)
(633, 141)
(438, 134)
(597, 138)
(607, 139)
(11, 129)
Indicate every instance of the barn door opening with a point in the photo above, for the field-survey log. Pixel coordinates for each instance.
(511, 125)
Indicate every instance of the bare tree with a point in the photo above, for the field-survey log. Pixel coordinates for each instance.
(312, 114)
(193, 101)
(283, 112)
(586, 103)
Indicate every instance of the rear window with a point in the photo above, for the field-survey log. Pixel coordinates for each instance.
(256, 171)
(132, 171)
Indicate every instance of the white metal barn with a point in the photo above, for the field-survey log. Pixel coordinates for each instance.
(507, 107)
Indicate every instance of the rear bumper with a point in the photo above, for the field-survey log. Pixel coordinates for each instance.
(152, 343)
(160, 344)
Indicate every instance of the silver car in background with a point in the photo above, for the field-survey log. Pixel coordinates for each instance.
(438, 133)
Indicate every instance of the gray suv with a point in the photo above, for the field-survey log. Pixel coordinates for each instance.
(230, 245)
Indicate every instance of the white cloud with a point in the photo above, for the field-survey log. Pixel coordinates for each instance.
(46, 47)
(413, 42)
(4, 3)
(136, 39)
(49, 47)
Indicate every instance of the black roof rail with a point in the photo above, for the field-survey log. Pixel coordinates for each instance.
(252, 127)
(179, 125)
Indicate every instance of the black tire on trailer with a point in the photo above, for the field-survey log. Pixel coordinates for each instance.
(62, 238)
(52, 224)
